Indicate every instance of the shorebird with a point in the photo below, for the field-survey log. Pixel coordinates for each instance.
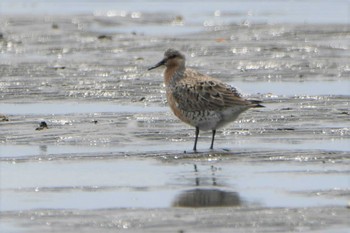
(199, 100)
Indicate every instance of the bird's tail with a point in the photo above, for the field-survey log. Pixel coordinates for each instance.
(257, 104)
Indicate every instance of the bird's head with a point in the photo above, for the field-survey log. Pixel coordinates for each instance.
(171, 58)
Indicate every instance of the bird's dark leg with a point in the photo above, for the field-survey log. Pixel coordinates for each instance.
(195, 140)
(212, 139)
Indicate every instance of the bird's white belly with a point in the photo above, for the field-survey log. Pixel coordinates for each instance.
(210, 120)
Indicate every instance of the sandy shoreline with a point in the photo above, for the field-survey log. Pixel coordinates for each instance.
(329, 219)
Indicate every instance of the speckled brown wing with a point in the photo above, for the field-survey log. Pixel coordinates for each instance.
(198, 92)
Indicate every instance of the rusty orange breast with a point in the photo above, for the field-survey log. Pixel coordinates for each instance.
(174, 107)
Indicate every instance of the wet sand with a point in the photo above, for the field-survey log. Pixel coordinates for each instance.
(114, 157)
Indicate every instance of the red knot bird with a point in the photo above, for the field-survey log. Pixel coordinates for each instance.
(199, 100)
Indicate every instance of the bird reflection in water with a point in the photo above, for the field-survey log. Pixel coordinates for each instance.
(207, 197)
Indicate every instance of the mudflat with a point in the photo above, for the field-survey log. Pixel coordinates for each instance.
(114, 157)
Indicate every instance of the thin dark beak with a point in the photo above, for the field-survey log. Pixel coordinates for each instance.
(162, 62)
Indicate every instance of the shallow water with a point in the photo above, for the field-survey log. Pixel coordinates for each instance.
(114, 156)
(75, 108)
(148, 183)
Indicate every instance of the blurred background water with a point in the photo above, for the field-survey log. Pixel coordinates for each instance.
(195, 11)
